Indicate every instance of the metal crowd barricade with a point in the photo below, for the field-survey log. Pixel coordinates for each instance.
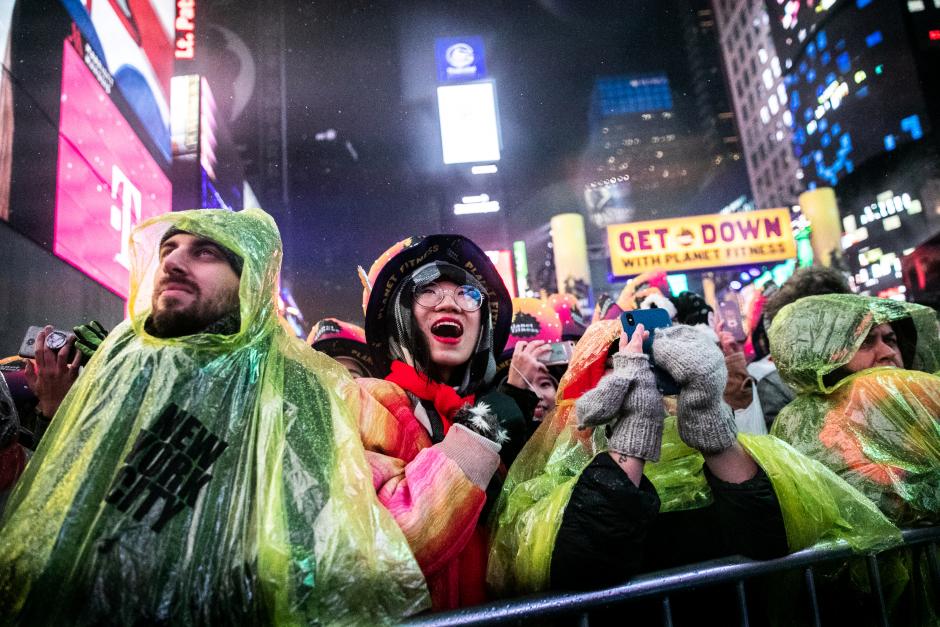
(576, 607)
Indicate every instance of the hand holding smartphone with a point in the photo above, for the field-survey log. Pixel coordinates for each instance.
(54, 341)
(651, 319)
(560, 353)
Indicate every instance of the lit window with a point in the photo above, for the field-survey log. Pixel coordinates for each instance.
(915, 6)
(762, 54)
(768, 78)
(775, 66)
(781, 94)
(764, 115)
(774, 105)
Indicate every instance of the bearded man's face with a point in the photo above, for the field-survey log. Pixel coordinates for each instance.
(195, 286)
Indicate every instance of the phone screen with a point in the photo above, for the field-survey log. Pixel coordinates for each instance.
(731, 317)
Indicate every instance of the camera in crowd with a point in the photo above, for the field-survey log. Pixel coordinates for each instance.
(54, 341)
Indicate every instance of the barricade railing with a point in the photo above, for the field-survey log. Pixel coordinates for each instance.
(535, 609)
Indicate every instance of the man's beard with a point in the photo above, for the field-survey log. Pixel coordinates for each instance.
(196, 318)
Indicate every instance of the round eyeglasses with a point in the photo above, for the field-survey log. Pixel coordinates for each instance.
(431, 295)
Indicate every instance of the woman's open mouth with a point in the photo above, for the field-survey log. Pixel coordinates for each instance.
(447, 331)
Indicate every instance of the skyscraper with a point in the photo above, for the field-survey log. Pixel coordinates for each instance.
(714, 113)
(760, 100)
(861, 81)
(641, 163)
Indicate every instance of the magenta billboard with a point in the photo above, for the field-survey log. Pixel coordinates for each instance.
(107, 181)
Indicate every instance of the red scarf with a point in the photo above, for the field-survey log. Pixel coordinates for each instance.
(446, 400)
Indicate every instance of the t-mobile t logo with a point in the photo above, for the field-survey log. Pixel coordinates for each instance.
(124, 217)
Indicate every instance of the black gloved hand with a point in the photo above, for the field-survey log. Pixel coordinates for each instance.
(88, 339)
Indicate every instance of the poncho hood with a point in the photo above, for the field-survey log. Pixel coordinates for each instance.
(877, 428)
(817, 335)
(250, 234)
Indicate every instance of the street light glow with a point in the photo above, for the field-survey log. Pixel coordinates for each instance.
(461, 209)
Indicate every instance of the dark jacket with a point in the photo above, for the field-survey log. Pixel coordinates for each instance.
(612, 529)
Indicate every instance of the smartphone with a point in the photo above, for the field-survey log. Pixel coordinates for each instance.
(54, 341)
(651, 319)
(730, 314)
(560, 353)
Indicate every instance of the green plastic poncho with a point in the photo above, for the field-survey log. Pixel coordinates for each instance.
(818, 508)
(879, 429)
(207, 479)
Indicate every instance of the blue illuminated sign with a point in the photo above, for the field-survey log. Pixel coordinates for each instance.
(642, 93)
(858, 102)
(459, 59)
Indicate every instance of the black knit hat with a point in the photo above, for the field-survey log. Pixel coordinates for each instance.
(233, 259)
(692, 309)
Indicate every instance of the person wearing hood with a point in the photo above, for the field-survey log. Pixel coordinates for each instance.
(774, 394)
(868, 396)
(436, 315)
(205, 468)
(609, 487)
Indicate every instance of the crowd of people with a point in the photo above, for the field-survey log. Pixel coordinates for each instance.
(199, 463)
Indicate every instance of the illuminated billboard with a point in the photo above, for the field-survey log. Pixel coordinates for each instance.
(640, 93)
(502, 259)
(854, 92)
(107, 180)
(469, 124)
(185, 24)
(701, 242)
(793, 23)
(6, 112)
(459, 59)
(134, 41)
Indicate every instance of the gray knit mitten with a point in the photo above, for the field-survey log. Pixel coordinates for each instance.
(705, 421)
(628, 396)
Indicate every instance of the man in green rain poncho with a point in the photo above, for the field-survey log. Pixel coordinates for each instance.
(866, 406)
(206, 467)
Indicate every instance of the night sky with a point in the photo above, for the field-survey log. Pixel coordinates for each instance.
(366, 69)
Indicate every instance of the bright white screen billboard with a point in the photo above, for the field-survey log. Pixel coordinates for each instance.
(469, 128)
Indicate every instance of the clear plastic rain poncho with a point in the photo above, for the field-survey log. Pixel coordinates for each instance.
(879, 429)
(818, 508)
(208, 479)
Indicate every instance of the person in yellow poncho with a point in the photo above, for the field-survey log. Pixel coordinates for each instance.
(867, 405)
(206, 466)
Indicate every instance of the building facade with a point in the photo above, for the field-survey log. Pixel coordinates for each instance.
(757, 89)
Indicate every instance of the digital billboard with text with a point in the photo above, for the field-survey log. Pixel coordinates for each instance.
(107, 180)
(701, 242)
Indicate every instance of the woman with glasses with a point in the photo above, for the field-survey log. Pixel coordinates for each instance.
(434, 426)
